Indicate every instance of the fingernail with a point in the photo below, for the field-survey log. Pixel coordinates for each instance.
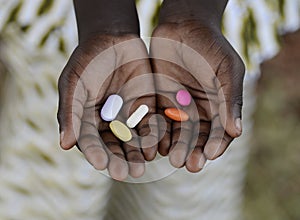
(62, 137)
(202, 161)
(238, 124)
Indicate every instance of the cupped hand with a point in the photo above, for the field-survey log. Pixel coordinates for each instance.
(197, 57)
(101, 66)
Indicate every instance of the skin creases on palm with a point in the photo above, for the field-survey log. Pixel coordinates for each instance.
(98, 68)
(199, 59)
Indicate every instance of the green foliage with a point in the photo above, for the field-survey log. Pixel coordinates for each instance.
(45, 6)
(154, 19)
(248, 31)
(62, 45)
(46, 36)
(281, 4)
(278, 6)
(32, 124)
(25, 28)
(249, 34)
(38, 89)
(272, 183)
(14, 13)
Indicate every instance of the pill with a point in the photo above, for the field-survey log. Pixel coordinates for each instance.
(183, 97)
(120, 130)
(137, 116)
(176, 114)
(111, 107)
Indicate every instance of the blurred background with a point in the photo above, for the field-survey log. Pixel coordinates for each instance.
(40, 181)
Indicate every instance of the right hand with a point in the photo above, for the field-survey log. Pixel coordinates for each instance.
(84, 85)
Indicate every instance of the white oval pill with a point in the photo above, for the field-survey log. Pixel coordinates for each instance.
(137, 116)
(111, 107)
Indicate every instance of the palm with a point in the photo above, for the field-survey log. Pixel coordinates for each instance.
(200, 59)
(98, 68)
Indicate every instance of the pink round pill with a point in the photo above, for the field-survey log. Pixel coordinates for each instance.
(183, 97)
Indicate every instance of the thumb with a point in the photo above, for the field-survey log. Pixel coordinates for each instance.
(72, 97)
(229, 82)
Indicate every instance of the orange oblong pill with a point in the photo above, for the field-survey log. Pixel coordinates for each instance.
(176, 114)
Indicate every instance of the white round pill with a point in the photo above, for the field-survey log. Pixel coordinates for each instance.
(111, 107)
(137, 116)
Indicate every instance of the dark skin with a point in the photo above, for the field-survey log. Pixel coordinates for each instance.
(98, 68)
(196, 24)
(180, 21)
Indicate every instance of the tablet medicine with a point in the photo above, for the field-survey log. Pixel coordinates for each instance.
(111, 107)
(183, 97)
(137, 116)
(120, 130)
(176, 114)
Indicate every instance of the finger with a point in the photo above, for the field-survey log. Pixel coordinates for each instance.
(181, 138)
(135, 158)
(117, 166)
(166, 87)
(148, 130)
(218, 140)
(90, 142)
(229, 82)
(165, 100)
(72, 97)
(131, 149)
(140, 90)
(164, 133)
(196, 159)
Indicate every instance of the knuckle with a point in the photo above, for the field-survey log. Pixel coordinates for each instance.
(233, 64)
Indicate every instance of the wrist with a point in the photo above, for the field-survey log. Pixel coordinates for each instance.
(204, 11)
(106, 17)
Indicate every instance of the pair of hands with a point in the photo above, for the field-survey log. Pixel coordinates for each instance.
(185, 52)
